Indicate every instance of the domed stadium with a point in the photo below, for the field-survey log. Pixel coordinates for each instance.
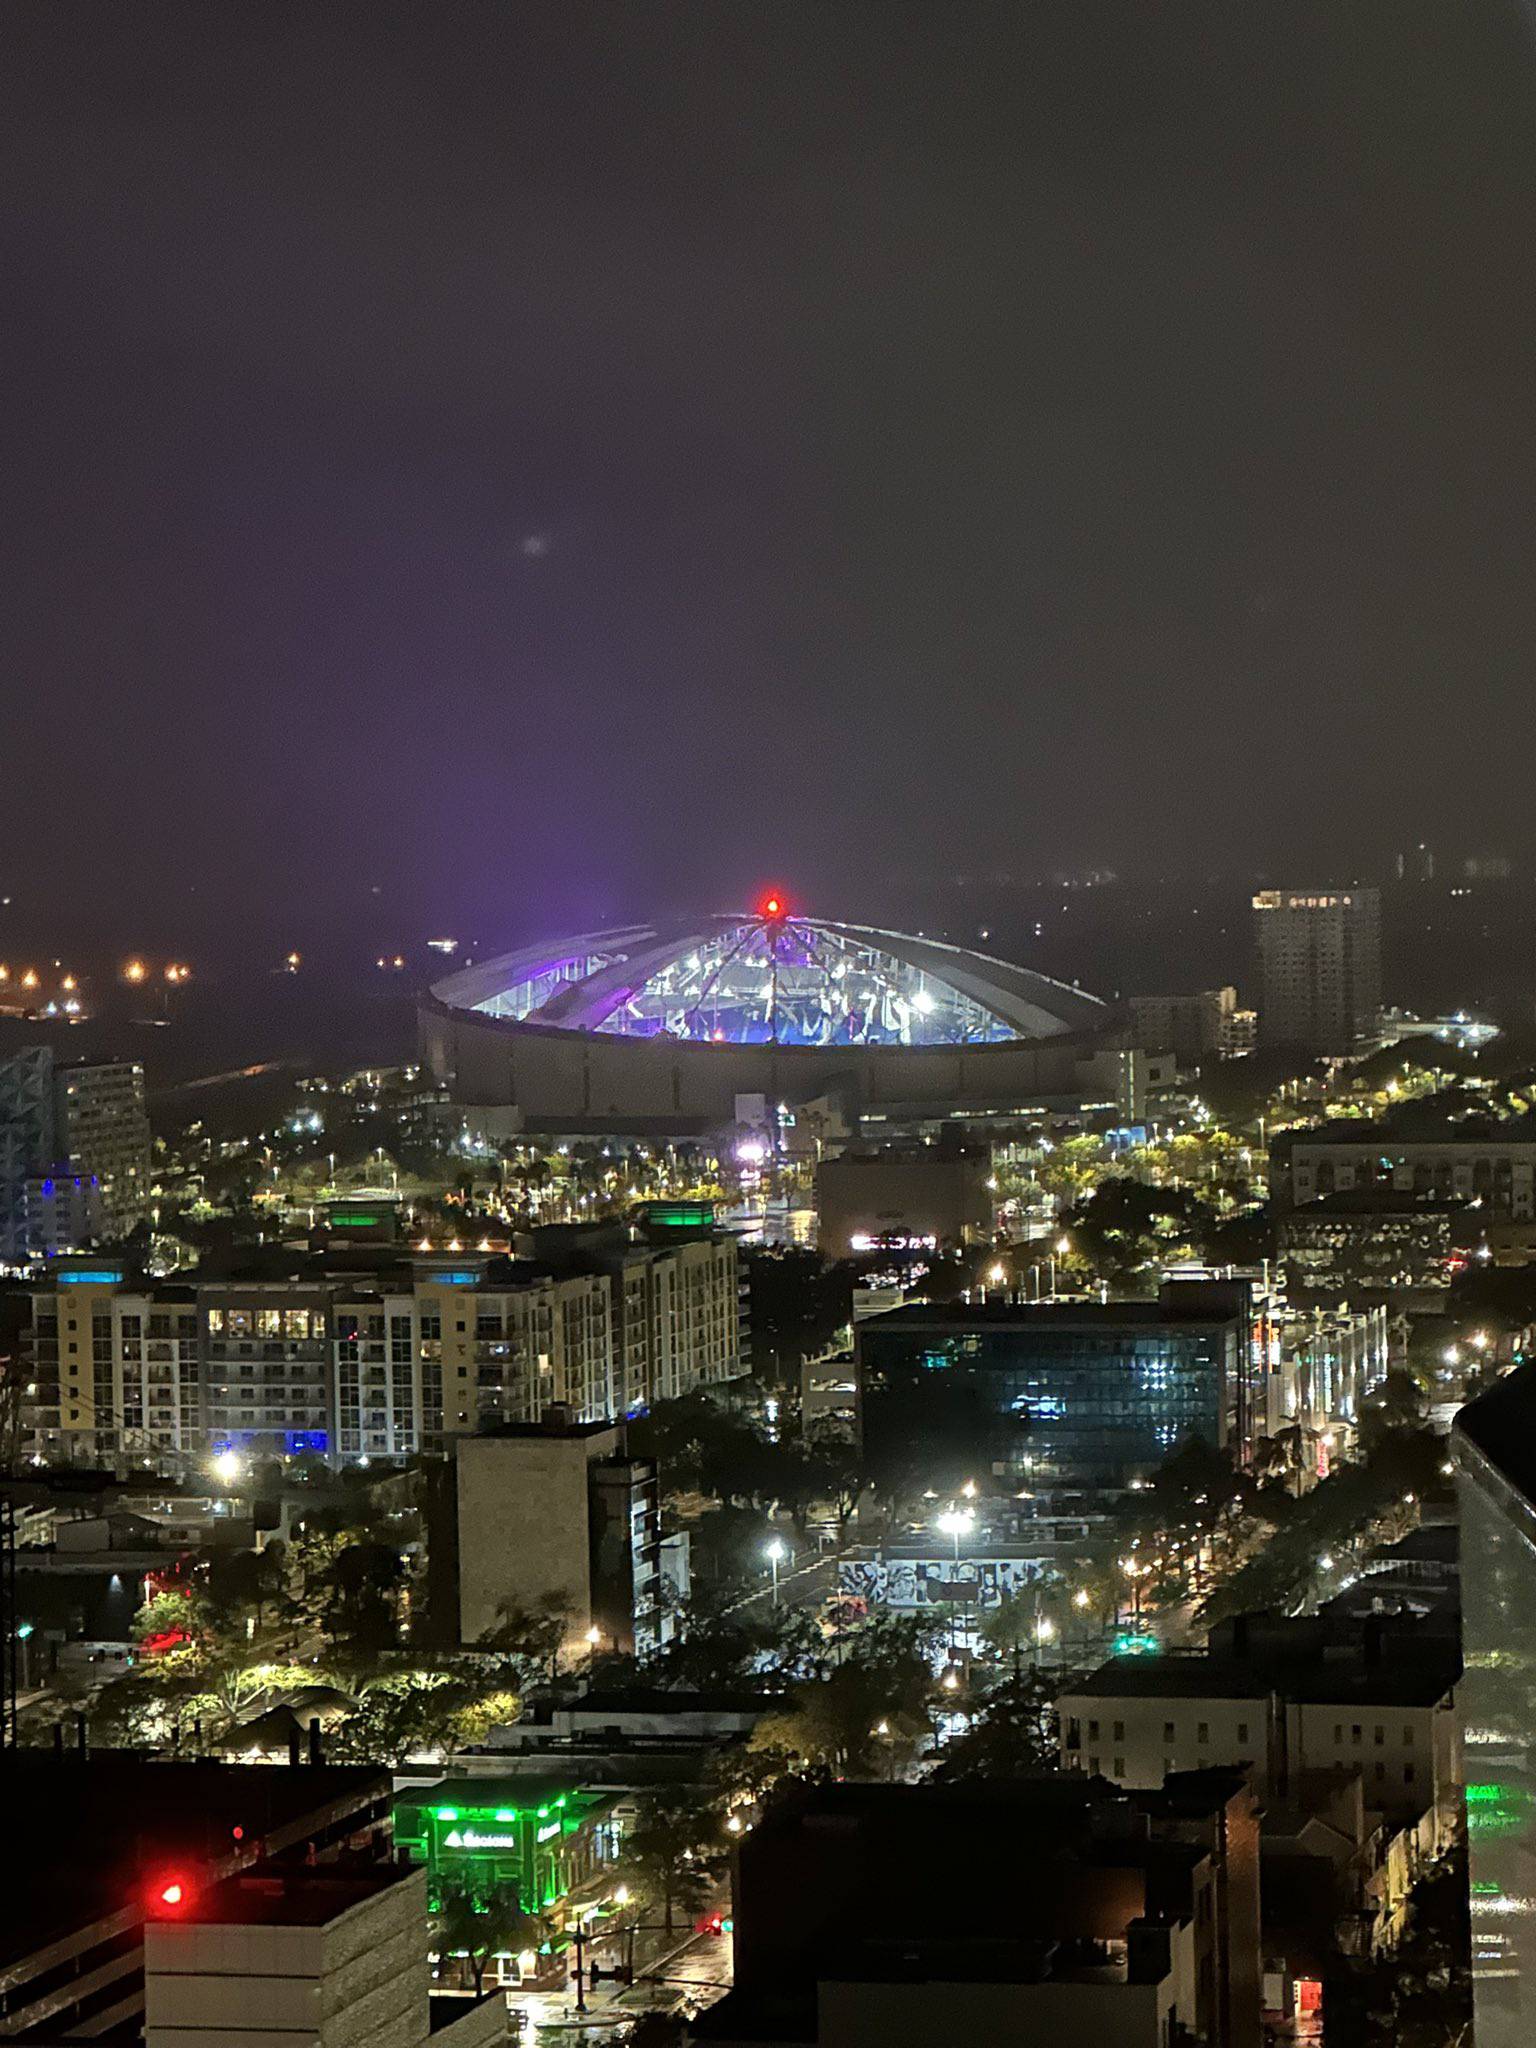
(664, 1026)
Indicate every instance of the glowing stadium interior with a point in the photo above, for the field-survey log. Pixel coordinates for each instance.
(772, 980)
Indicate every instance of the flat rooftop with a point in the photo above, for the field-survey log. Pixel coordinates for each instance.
(514, 1793)
(1399, 1678)
(1049, 1315)
(113, 1821)
(274, 1897)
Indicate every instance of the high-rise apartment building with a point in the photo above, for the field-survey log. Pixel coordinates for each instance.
(103, 1131)
(27, 1142)
(1319, 966)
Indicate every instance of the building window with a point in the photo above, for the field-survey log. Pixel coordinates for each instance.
(1203, 1732)
(1168, 1734)
(1381, 1735)
(1119, 1731)
(1093, 1765)
(1093, 1726)
(1407, 1737)
(1242, 1731)
(1408, 1774)
(1119, 1768)
(1354, 1732)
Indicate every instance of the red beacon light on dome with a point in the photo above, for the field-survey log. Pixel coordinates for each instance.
(772, 905)
(169, 1894)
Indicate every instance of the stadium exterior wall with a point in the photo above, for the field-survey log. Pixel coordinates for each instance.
(589, 1081)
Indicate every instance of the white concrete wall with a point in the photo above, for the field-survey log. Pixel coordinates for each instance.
(361, 1981)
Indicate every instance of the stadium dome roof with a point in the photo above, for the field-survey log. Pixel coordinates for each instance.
(769, 978)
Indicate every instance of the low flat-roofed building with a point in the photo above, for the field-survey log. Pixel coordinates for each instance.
(906, 1194)
(283, 1957)
(545, 1835)
(1374, 1245)
(1282, 1698)
(120, 1828)
(1421, 1155)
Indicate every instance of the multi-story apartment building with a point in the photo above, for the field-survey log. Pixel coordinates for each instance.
(1319, 966)
(103, 1131)
(1192, 1027)
(676, 1306)
(114, 1371)
(373, 1356)
(1473, 1161)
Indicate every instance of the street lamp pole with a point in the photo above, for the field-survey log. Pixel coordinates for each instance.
(775, 1555)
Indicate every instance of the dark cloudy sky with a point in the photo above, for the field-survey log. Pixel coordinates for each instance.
(569, 454)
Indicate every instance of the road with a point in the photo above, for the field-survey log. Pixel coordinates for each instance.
(693, 1973)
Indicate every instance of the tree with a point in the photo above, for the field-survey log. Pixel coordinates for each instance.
(241, 1584)
(840, 1479)
(670, 1854)
(530, 1637)
(1013, 1732)
(1012, 1629)
(362, 1595)
(798, 1304)
(1396, 1404)
(167, 1620)
(482, 1922)
(863, 1713)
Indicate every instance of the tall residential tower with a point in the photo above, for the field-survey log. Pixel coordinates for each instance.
(1319, 966)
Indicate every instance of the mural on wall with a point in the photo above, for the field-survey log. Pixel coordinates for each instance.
(915, 1582)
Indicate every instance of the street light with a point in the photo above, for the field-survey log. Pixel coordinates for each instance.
(956, 1522)
(776, 1553)
(226, 1467)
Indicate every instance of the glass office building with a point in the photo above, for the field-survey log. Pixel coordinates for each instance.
(1086, 1394)
(1494, 1444)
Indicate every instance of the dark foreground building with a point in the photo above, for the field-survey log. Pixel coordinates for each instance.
(1039, 1910)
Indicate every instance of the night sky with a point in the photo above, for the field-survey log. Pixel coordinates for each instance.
(539, 461)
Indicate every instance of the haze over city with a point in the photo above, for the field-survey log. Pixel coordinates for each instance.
(768, 1023)
(533, 467)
